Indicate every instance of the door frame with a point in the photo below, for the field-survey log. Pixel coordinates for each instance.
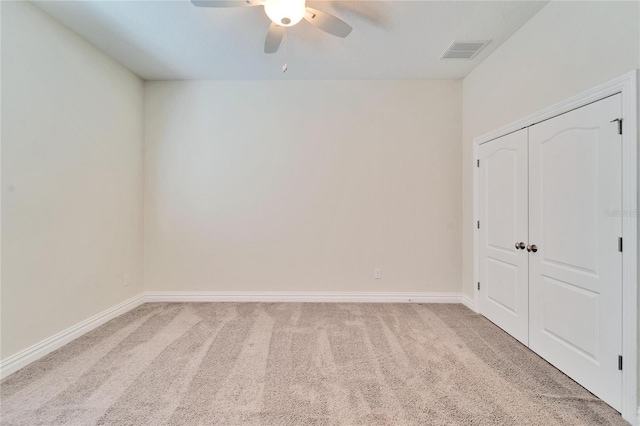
(627, 86)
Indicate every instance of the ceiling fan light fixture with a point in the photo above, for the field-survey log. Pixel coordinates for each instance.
(285, 13)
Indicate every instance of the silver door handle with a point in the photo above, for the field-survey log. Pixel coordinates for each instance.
(520, 245)
(532, 248)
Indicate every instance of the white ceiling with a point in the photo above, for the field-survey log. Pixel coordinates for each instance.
(161, 40)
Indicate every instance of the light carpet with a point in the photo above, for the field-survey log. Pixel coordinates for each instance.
(297, 364)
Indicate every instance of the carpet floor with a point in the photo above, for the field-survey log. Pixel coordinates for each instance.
(297, 364)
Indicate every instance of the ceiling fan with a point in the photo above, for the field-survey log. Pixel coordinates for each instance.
(285, 13)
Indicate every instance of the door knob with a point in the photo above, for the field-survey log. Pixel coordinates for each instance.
(532, 248)
(520, 245)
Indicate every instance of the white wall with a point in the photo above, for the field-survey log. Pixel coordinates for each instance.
(72, 179)
(303, 186)
(565, 49)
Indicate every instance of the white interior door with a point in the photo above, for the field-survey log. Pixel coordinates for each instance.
(502, 214)
(575, 277)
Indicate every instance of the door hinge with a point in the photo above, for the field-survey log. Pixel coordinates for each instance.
(478, 224)
(478, 163)
(619, 362)
(620, 244)
(619, 120)
(478, 285)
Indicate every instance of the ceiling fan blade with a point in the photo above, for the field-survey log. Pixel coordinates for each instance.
(226, 3)
(274, 38)
(327, 23)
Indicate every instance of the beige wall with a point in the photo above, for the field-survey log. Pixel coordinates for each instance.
(567, 48)
(303, 186)
(72, 179)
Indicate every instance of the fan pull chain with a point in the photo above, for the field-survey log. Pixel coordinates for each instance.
(284, 67)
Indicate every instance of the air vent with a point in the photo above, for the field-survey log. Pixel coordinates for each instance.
(464, 49)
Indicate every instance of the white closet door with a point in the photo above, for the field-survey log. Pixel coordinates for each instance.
(575, 191)
(502, 202)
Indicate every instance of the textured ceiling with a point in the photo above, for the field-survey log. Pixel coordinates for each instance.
(161, 40)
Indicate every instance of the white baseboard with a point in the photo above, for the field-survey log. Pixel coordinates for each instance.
(277, 296)
(468, 302)
(37, 351)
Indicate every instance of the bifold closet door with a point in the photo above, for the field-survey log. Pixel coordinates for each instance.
(502, 214)
(575, 276)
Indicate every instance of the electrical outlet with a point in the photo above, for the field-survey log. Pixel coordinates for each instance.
(125, 280)
(377, 274)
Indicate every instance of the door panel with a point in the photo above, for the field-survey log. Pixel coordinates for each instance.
(575, 277)
(580, 330)
(500, 288)
(567, 195)
(502, 202)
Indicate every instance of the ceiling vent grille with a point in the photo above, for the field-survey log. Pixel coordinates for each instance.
(464, 49)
